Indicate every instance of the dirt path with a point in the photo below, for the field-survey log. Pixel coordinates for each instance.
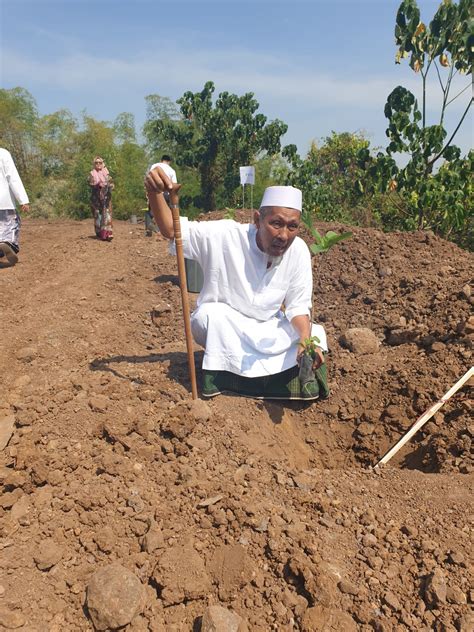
(269, 510)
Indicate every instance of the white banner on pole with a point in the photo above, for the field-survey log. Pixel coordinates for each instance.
(247, 175)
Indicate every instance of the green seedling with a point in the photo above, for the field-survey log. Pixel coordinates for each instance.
(229, 213)
(323, 243)
(309, 345)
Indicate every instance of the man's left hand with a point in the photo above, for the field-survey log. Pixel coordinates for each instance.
(317, 360)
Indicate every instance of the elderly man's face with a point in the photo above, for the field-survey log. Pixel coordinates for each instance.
(277, 227)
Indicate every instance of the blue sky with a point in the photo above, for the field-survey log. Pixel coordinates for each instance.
(318, 65)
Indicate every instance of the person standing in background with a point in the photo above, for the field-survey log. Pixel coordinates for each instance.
(101, 199)
(12, 191)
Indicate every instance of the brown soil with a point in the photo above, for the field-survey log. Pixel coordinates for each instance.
(271, 510)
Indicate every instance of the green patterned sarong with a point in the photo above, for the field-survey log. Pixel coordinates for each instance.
(284, 385)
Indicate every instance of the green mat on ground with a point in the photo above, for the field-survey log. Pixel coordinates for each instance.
(284, 385)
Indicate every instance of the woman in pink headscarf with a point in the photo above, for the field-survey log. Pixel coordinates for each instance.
(101, 193)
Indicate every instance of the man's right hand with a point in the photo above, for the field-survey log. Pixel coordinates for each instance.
(157, 181)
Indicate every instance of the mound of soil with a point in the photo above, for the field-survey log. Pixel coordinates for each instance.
(127, 505)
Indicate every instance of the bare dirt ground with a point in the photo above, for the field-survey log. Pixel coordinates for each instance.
(125, 504)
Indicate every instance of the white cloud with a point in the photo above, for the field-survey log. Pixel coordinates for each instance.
(236, 71)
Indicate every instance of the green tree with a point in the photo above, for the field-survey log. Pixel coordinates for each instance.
(56, 142)
(18, 131)
(433, 189)
(329, 176)
(159, 110)
(218, 137)
(129, 170)
(56, 149)
(124, 128)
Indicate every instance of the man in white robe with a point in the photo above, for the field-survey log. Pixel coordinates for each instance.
(12, 191)
(250, 271)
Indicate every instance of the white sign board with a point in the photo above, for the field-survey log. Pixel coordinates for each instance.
(247, 175)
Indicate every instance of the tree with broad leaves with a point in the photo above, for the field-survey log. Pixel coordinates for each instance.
(216, 137)
(434, 188)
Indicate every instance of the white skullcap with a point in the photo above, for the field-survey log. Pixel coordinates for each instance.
(289, 197)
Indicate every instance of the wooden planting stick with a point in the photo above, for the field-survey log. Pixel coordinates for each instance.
(424, 418)
(184, 292)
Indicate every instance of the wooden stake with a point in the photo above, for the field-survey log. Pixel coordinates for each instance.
(184, 298)
(425, 417)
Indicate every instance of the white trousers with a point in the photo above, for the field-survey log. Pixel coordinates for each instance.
(245, 346)
(9, 226)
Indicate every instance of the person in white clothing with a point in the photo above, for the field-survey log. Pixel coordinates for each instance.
(12, 192)
(165, 165)
(253, 313)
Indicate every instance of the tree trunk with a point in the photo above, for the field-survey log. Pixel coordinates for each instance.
(208, 189)
(209, 180)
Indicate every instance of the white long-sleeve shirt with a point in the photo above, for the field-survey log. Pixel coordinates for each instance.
(11, 186)
(236, 273)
